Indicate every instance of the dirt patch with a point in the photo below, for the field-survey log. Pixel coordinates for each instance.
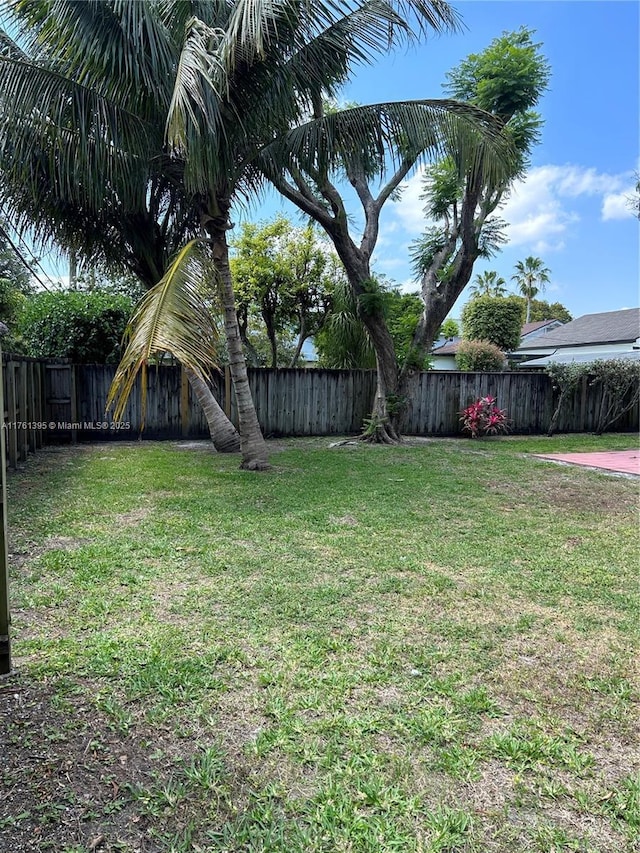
(570, 490)
(64, 543)
(344, 520)
(132, 518)
(65, 776)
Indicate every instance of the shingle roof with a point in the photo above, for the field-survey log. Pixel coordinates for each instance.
(606, 328)
(451, 347)
(533, 327)
(580, 358)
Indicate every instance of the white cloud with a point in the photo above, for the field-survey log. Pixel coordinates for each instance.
(543, 210)
(542, 207)
(616, 205)
(410, 208)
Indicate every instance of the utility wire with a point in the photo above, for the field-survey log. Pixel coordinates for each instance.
(16, 249)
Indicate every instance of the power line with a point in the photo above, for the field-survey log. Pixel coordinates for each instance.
(16, 249)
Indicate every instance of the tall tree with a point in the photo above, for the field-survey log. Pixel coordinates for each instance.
(542, 310)
(488, 283)
(282, 273)
(215, 90)
(472, 173)
(313, 187)
(531, 276)
(83, 162)
(507, 79)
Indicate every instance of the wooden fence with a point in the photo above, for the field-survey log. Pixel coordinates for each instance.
(51, 400)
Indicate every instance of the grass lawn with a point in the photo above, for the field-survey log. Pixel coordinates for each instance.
(424, 648)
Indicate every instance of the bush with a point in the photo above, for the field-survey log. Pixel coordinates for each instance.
(619, 380)
(480, 355)
(85, 327)
(484, 418)
(494, 319)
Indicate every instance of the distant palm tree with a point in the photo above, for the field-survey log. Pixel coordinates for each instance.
(531, 277)
(488, 283)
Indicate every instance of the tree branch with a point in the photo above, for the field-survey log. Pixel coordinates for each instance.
(392, 184)
(304, 200)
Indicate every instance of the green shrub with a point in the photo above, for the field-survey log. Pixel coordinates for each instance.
(494, 319)
(480, 356)
(618, 379)
(449, 329)
(85, 327)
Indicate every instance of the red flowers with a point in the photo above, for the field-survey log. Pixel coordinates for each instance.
(484, 418)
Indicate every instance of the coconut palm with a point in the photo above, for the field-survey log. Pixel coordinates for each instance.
(488, 283)
(211, 97)
(130, 219)
(531, 277)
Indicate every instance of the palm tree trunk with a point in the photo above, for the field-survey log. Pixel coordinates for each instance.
(223, 433)
(528, 317)
(253, 447)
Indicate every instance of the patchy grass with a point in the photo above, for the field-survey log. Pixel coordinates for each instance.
(423, 648)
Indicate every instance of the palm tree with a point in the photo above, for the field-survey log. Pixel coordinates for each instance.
(134, 220)
(531, 277)
(488, 283)
(210, 98)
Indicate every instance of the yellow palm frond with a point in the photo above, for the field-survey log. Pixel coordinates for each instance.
(172, 317)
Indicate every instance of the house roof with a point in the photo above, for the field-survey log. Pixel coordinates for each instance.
(539, 324)
(451, 347)
(608, 327)
(581, 358)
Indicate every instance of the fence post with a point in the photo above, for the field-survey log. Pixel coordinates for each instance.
(32, 415)
(5, 617)
(184, 402)
(73, 402)
(23, 434)
(12, 413)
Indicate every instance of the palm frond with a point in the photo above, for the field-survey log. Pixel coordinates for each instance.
(199, 72)
(8, 47)
(172, 317)
(377, 134)
(122, 49)
(86, 139)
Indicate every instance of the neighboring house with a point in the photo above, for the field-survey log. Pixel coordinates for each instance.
(443, 355)
(611, 334)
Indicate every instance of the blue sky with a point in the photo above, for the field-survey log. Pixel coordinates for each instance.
(570, 210)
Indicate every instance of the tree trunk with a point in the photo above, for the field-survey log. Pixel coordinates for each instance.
(253, 447)
(273, 344)
(383, 423)
(223, 433)
(302, 337)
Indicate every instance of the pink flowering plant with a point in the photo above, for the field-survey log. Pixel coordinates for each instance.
(484, 418)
